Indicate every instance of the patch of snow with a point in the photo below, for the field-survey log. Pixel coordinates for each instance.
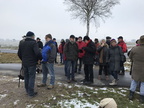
(46, 106)
(16, 80)
(95, 92)
(54, 98)
(62, 95)
(103, 89)
(77, 104)
(3, 96)
(69, 86)
(121, 94)
(30, 106)
(16, 102)
(123, 91)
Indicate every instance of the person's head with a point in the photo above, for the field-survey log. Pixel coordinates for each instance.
(62, 40)
(120, 38)
(113, 42)
(54, 39)
(67, 40)
(24, 37)
(72, 38)
(80, 39)
(103, 41)
(30, 35)
(96, 40)
(76, 39)
(38, 39)
(137, 41)
(141, 42)
(48, 37)
(86, 39)
(108, 103)
(108, 38)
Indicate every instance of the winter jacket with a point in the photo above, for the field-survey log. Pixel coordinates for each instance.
(71, 51)
(123, 45)
(80, 46)
(29, 52)
(40, 44)
(103, 54)
(97, 46)
(49, 52)
(115, 57)
(61, 48)
(89, 55)
(136, 55)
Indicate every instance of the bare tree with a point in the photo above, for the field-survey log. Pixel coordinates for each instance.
(90, 10)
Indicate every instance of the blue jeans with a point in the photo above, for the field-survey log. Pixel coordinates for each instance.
(48, 68)
(70, 69)
(134, 86)
(114, 74)
(29, 79)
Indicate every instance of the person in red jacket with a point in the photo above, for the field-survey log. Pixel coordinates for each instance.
(123, 45)
(80, 44)
(61, 49)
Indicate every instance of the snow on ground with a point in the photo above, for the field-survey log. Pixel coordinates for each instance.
(2, 96)
(75, 103)
(30, 106)
(16, 102)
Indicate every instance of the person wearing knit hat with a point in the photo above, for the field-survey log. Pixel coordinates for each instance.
(108, 103)
(136, 56)
(115, 57)
(29, 53)
(30, 34)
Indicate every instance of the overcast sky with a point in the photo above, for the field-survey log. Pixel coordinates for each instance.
(50, 16)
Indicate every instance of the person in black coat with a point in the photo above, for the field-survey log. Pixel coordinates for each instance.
(29, 53)
(103, 58)
(88, 60)
(39, 42)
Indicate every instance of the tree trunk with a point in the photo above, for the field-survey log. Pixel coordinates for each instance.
(88, 27)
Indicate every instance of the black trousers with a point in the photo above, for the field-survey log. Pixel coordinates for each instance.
(80, 64)
(88, 69)
(122, 67)
(103, 67)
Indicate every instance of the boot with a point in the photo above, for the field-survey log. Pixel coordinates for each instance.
(131, 95)
(141, 98)
(114, 82)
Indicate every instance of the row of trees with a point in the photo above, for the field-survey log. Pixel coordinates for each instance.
(90, 10)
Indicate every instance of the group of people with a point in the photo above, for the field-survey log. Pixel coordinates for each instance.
(108, 54)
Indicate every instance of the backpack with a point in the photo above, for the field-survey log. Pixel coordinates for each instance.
(21, 75)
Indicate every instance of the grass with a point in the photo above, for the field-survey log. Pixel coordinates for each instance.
(9, 58)
(92, 95)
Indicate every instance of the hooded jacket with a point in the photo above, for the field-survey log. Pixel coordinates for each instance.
(49, 52)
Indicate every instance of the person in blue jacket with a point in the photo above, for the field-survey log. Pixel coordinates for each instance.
(48, 55)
